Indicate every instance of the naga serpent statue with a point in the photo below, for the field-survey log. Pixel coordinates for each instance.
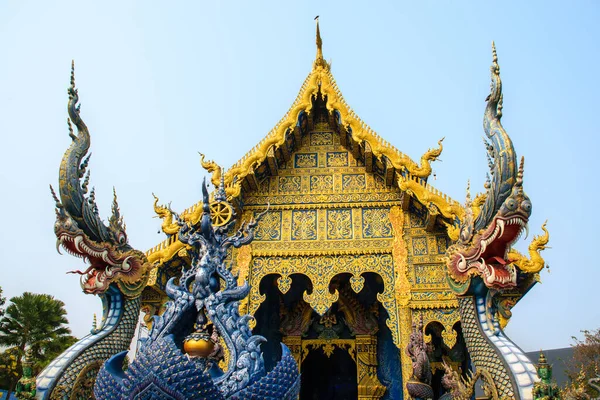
(480, 268)
(200, 327)
(117, 273)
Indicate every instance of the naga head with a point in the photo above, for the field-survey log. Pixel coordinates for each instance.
(486, 239)
(80, 230)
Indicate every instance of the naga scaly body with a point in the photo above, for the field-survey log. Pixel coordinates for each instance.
(117, 273)
(481, 270)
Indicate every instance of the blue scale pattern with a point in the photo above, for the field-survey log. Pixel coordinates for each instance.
(282, 382)
(161, 372)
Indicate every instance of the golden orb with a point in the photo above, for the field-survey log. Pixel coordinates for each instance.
(198, 346)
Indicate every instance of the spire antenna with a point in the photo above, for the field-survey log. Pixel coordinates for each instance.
(319, 61)
(319, 41)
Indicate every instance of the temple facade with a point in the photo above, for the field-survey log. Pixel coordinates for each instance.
(323, 265)
(349, 254)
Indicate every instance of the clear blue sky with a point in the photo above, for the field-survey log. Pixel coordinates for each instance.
(160, 81)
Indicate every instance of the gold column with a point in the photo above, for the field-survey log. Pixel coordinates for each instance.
(403, 295)
(242, 268)
(405, 330)
(369, 387)
(294, 343)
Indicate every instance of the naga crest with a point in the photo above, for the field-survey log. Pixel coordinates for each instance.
(200, 325)
(485, 239)
(80, 230)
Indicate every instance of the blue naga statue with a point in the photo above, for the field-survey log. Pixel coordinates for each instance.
(180, 358)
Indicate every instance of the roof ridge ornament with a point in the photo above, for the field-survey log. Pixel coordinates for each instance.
(319, 60)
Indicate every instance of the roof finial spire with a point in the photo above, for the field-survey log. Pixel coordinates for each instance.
(319, 41)
(319, 61)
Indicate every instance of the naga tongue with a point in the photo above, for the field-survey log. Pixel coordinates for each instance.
(499, 260)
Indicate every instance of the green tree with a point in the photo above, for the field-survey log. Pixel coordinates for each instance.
(2, 301)
(10, 368)
(36, 322)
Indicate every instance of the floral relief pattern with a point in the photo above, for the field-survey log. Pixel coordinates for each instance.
(418, 215)
(306, 160)
(353, 182)
(419, 245)
(321, 139)
(442, 244)
(431, 275)
(376, 223)
(321, 183)
(269, 227)
(337, 159)
(339, 224)
(304, 225)
(290, 184)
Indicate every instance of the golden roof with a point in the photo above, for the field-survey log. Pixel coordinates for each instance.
(409, 176)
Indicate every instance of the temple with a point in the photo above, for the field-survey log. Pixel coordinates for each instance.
(378, 285)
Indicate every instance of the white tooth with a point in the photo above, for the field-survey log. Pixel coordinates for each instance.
(78, 241)
(462, 264)
(483, 245)
(526, 231)
(105, 255)
(501, 226)
(490, 278)
(126, 266)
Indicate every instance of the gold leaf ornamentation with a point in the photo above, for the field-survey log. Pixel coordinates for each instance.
(339, 224)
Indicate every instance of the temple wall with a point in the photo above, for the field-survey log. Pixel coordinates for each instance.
(327, 215)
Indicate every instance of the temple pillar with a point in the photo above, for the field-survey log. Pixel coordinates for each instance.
(294, 343)
(405, 330)
(369, 387)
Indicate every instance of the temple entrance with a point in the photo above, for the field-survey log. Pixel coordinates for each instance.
(337, 351)
(330, 377)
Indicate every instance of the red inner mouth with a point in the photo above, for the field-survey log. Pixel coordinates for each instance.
(495, 252)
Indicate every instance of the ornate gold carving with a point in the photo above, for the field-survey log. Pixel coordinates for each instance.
(432, 276)
(163, 252)
(351, 182)
(294, 343)
(453, 230)
(269, 227)
(405, 321)
(426, 194)
(321, 138)
(213, 168)
(220, 213)
(535, 263)
(168, 226)
(306, 160)
(321, 183)
(304, 225)
(447, 318)
(322, 247)
(339, 224)
(369, 386)
(337, 159)
(376, 223)
(400, 255)
(320, 271)
(289, 184)
(242, 269)
(321, 79)
(323, 200)
(328, 346)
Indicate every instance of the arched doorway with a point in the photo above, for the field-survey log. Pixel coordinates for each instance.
(329, 377)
